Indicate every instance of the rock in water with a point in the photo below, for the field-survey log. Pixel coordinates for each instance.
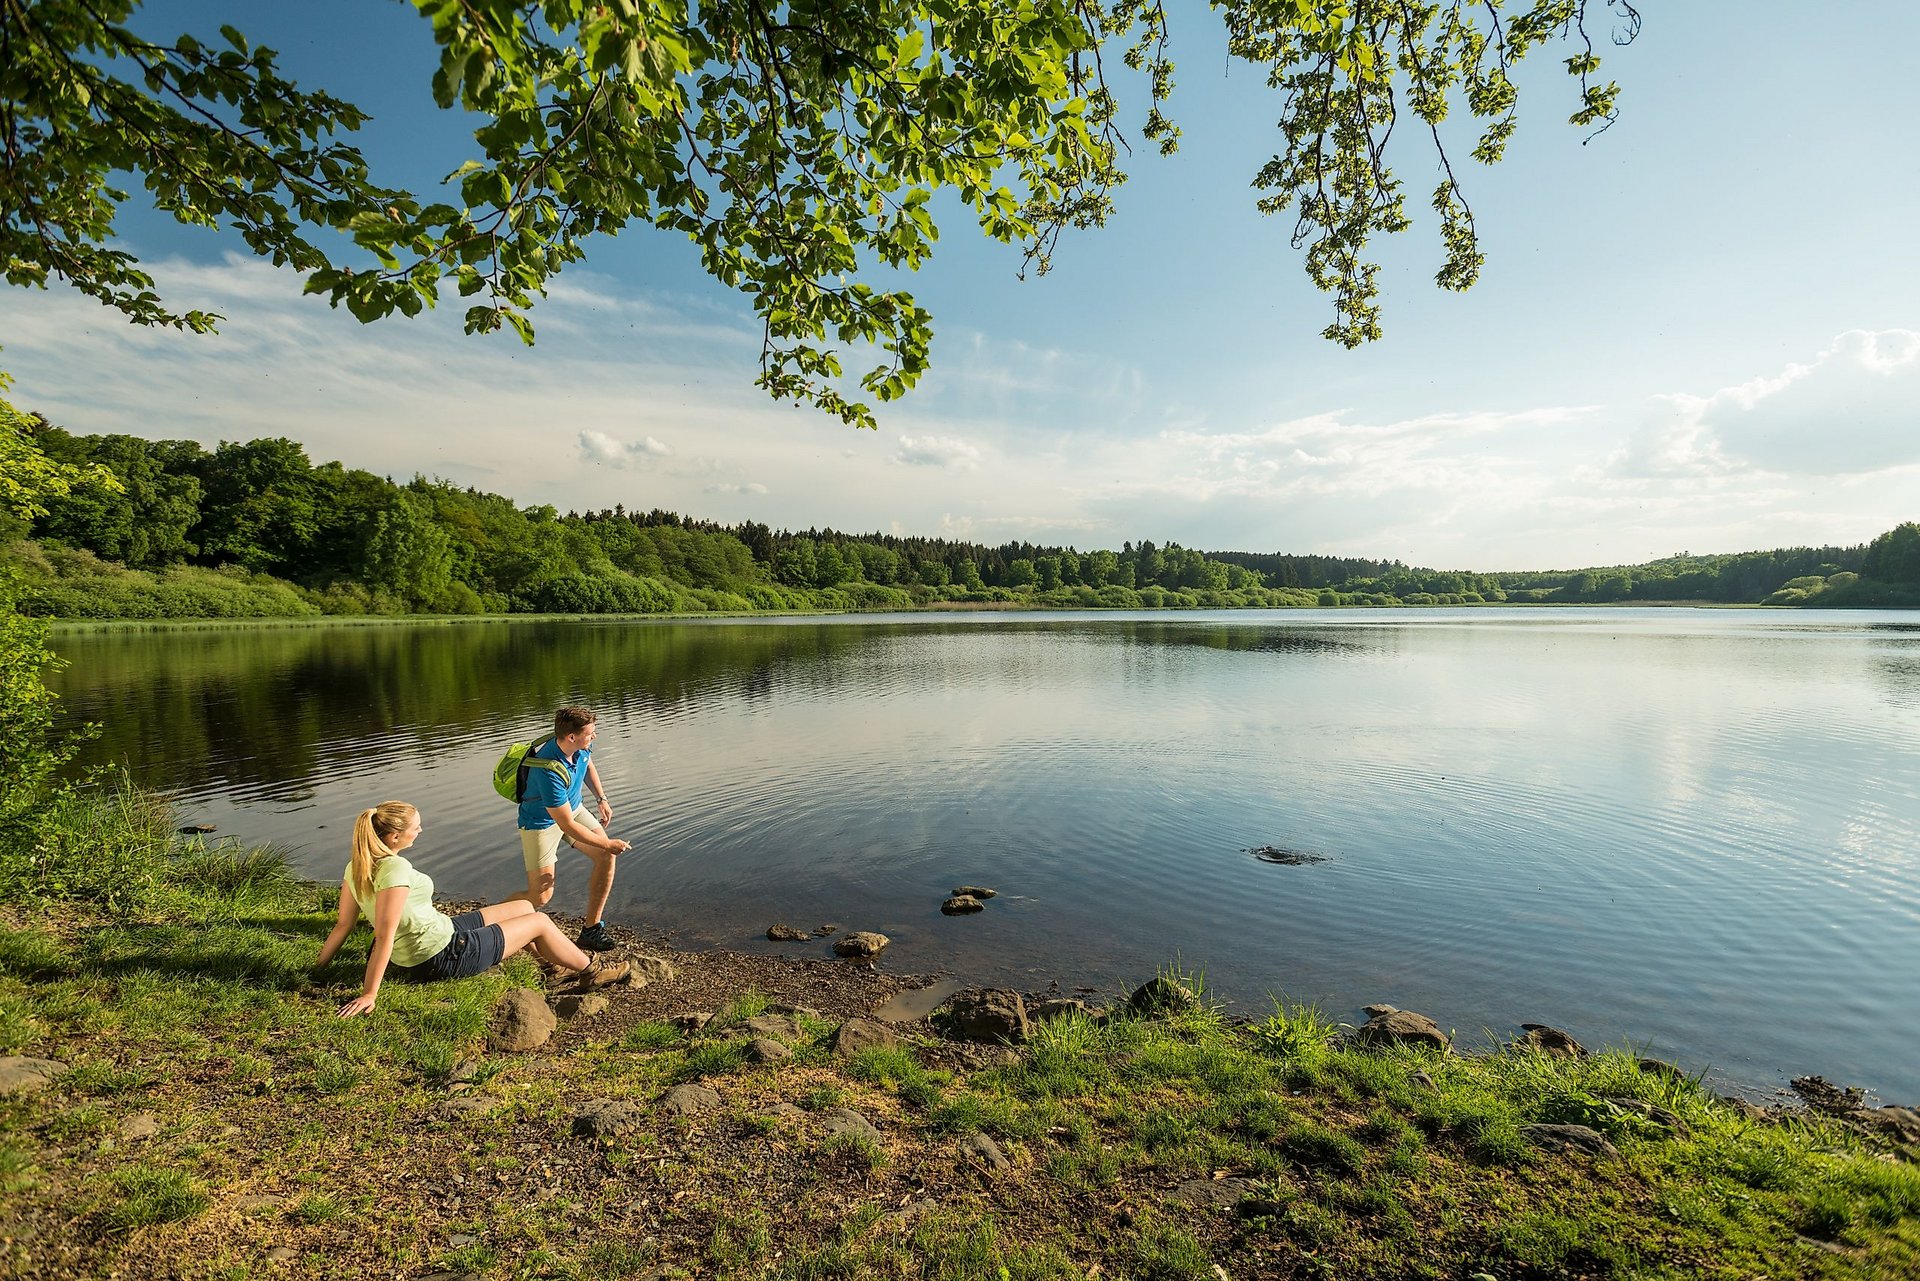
(520, 1021)
(961, 904)
(1388, 1026)
(974, 891)
(988, 1014)
(861, 943)
(786, 934)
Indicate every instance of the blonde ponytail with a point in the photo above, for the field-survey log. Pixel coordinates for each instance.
(371, 832)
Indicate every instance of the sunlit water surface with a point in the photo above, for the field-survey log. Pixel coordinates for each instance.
(1693, 829)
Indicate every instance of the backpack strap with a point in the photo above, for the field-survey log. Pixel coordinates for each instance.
(528, 762)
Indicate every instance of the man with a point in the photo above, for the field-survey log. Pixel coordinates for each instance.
(553, 808)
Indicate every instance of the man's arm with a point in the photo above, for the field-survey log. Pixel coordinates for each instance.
(599, 792)
(584, 838)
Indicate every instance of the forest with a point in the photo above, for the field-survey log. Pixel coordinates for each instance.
(256, 529)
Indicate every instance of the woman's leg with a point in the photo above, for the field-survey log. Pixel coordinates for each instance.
(500, 913)
(537, 930)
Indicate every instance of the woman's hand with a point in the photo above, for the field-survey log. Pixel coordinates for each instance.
(362, 1004)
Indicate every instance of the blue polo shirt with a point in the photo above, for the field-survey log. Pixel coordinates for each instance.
(544, 790)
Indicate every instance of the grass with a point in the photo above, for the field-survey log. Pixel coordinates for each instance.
(190, 995)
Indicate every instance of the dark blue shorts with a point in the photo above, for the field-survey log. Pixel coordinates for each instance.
(475, 948)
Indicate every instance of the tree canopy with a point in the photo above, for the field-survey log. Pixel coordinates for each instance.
(799, 144)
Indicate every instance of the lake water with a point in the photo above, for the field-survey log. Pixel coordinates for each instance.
(1695, 829)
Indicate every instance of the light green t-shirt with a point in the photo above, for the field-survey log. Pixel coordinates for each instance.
(424, 929)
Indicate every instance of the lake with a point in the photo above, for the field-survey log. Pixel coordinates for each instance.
(1698, 830)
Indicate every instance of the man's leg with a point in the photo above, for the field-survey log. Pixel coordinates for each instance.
(540, 851)
(599, 886)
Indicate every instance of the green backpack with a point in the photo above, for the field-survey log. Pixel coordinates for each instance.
(510, 775)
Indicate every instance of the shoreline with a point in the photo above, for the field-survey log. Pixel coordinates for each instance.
(195, 1110)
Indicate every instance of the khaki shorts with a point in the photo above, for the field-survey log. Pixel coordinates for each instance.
(540, 846)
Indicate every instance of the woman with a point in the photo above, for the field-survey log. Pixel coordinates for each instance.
(420, 940)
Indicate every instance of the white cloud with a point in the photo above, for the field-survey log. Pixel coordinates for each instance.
(599, 447)
(937, 451)
(728, 487)
(1850, 410)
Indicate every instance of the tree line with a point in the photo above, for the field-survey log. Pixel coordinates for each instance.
(256, 528)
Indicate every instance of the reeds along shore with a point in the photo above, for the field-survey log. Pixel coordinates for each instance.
(209, 1117)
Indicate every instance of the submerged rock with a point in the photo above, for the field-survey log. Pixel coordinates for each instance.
(974, 891)
(861, 943)
(786, 934)
(961, 904)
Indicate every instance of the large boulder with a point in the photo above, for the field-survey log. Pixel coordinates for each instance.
(1386, 1026)
(24, 1075)
(520, 1021)
(860, 943)
(987, 1014)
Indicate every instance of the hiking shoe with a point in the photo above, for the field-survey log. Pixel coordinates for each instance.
(605, 970)
(595, 938)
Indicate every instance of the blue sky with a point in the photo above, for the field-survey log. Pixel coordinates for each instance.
(1698, 331)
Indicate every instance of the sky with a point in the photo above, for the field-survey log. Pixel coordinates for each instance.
(1698, 331)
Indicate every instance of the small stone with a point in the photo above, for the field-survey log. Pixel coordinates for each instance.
(282, 1254)
(691, 1021)
(521, 1021)
(1388, 1026)
(763, 1050)
(987, 1014)
(1162, 995)
(456, 1240)
(786, 934)
(784, 1111)
(141, 1125)
(912, 1212)
(650, 969)
(257, 1204)
(983, 1149)
(1569, 1138)
(856, 1035)
(581, 1005)
(775, 1027)
(1660, 1067)
(984, 1056)
(794, 1011)
(465, 1070)
(197, 829)
(837, 1121)
(961, 904)
(1213, 1194)
(689, 1100)
(1745, 1110)
(1550, 1041)
(1424, 1081)
(861, 943)
(608, 1118)
(20, 1074)
(466, 1107)
(974, 891)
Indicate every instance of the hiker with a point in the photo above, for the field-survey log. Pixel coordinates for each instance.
(422, 942)
(551, 807)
